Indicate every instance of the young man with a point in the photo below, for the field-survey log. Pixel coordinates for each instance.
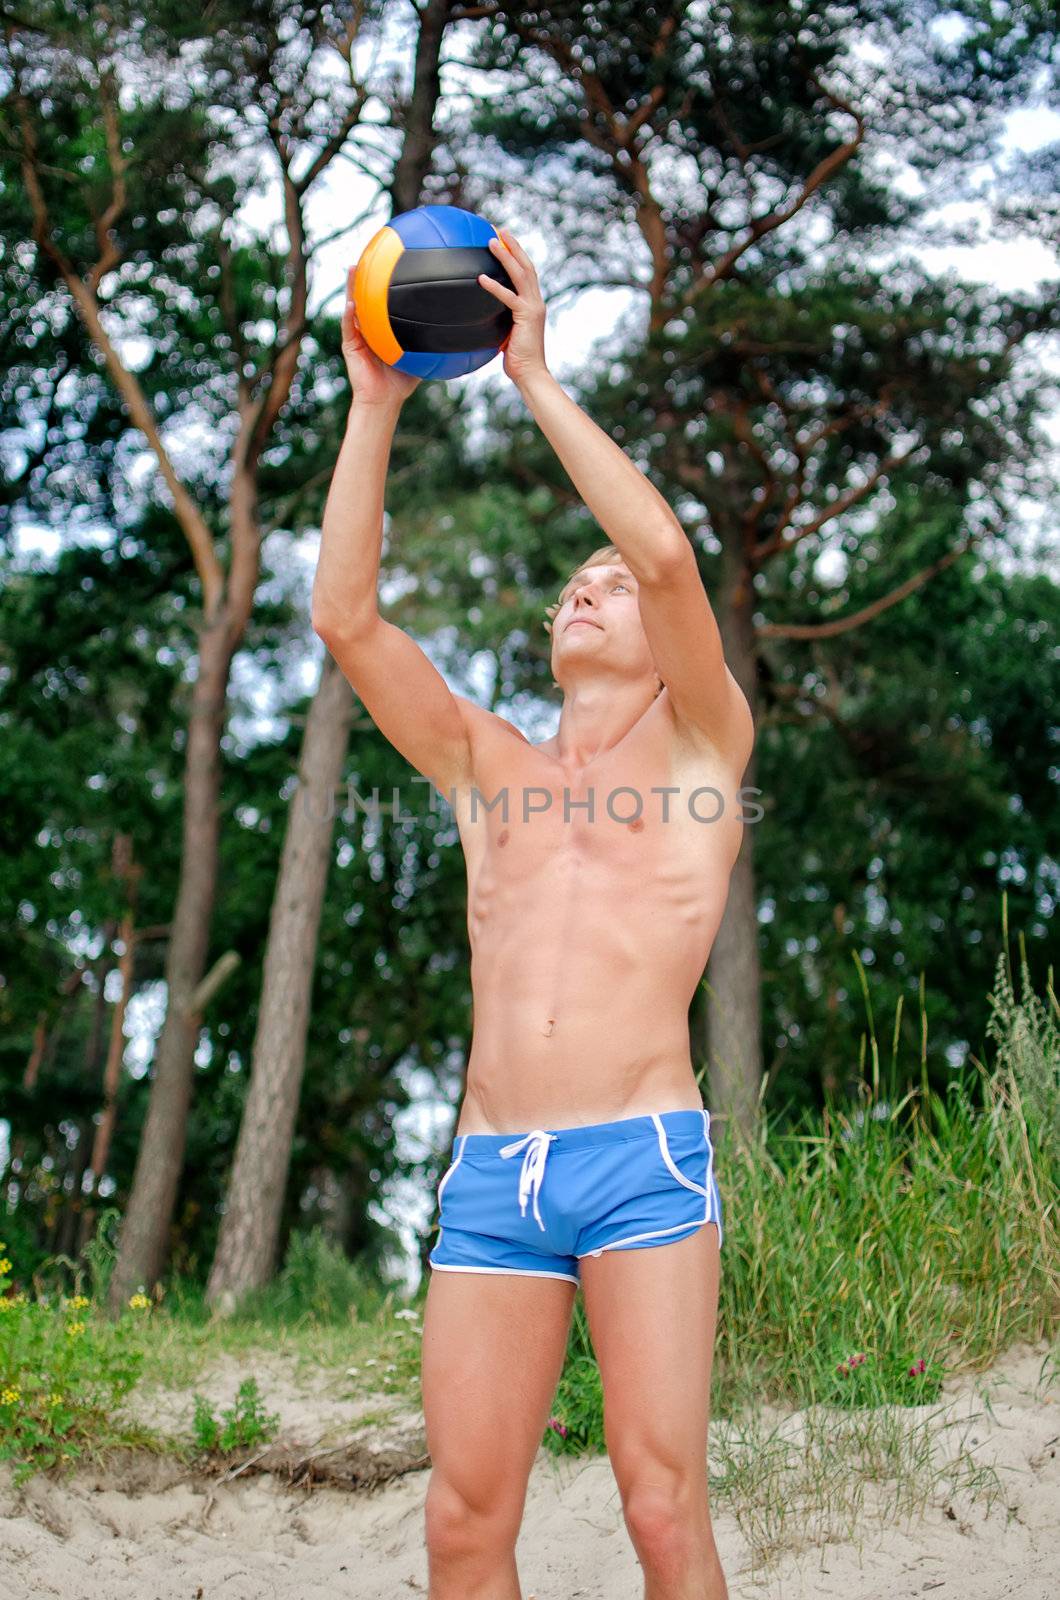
(598, 865)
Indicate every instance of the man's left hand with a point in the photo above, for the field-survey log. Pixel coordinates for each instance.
(525, 352)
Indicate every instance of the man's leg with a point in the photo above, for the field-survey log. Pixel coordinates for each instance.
(493, 1350)
(652, 1314)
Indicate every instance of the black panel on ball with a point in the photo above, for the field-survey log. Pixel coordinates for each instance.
(436, 304)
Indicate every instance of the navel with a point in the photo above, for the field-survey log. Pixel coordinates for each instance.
(502, 837)
(636, 825)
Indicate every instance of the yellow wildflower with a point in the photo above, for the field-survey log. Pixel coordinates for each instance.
(139, 1302)
(78, 1302)
(8, 1397)
(55, 1399)
(5, 1265)
(74, 1328)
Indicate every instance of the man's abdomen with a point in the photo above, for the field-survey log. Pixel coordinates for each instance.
(581, 1015)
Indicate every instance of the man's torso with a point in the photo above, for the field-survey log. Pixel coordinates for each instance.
(589, 930)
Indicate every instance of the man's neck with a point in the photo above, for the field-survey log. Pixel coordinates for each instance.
(594, 718)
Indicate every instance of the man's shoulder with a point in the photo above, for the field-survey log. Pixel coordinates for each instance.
(484, 722)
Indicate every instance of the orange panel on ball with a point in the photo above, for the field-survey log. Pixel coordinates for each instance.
(371, 285)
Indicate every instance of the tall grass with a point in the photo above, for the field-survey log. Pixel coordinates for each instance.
(925, 1226)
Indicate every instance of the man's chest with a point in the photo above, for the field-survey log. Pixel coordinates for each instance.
(649, 806)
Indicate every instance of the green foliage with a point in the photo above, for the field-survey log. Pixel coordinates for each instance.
(240, 1426)
(896, 1231)
(63, 1367)
(101, 1252)
(320, 1280)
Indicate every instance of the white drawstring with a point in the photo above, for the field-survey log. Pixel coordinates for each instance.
(533, 1169)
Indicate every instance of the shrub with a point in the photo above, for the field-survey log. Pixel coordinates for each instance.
(63, 1366)
(319, 1279)
(243, 1425)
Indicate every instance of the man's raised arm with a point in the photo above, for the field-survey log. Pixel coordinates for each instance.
(630, 510)
(403, 692)
(346, 584)
(681, 628)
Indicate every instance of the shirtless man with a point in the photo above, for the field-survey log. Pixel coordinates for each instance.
(598, 865)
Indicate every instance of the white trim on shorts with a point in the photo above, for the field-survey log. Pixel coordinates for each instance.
(632, 1238)
(448, 1173)
(707, 1192)
(509, 1272)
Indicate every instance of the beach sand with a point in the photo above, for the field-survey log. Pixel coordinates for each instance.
(148, 1529)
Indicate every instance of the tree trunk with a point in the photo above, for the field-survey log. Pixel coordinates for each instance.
(734, 1013)
(145, 1229)
(246, 1245)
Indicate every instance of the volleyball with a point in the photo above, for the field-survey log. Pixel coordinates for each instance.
(419, 304)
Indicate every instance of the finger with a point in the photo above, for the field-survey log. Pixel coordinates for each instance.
(508, 259)
(516, 249)
(498, 289)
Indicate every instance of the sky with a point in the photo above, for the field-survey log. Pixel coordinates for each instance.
(574, 331)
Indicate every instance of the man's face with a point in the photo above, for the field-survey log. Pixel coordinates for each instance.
(599, 615)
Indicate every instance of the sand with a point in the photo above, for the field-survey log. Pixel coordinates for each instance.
(147, 1529)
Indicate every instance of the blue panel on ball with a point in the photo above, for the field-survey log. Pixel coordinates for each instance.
(428, 227)
(422, 364)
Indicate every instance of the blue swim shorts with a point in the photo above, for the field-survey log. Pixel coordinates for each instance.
(624, 1185)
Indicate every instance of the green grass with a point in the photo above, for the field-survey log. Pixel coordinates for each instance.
(869, 1255)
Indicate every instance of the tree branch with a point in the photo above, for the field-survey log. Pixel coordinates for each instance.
(828, 630)
(109, 254)
(824, 170)
(193, 525)
(285, 358)
(843, 503)
(331, 148)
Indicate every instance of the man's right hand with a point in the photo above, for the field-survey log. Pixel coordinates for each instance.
(374, 383)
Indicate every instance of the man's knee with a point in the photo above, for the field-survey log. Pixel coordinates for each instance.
(667, 1516)
(460, 1521)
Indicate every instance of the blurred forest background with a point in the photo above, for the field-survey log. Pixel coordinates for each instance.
(223, 999)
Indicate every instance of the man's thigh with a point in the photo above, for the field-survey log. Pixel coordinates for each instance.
(493, 1351)
(652, 1315)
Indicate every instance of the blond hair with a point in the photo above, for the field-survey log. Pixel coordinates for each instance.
(599, 558)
